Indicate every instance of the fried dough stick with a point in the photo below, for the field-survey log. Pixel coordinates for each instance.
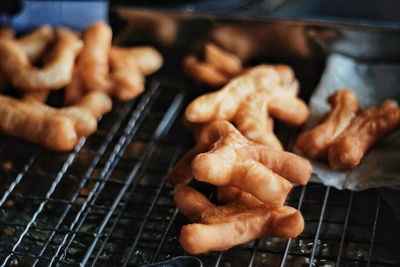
(231, 159)
(93, 59)
(222, 227)
(127, 78)
(298, 171)
(24, 120)
(55, 129)
(272, 88)
(256, 169)
(202, 72)
(315, 142)
(115, 71)
(35, 43)
(55, 74)
(128, 68)
(254, 127)
(216, 70)
(363, 131)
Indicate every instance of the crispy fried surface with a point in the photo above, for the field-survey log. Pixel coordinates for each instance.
(363, 131)
(216, 69)
(222, 227)
(100, 70)
(232, 160)
(255, 127)
(126, 75)
(93, 60)
(247, 100)
(35, 43)
(23, 119)
(315, 142)
(223, 61)
(55, 129)
(113, 70)
(55, 74)
(203, 72)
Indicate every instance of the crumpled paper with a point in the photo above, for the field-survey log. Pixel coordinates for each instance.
(373, 83)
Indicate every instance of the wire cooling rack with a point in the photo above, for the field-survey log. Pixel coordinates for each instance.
(107, 202)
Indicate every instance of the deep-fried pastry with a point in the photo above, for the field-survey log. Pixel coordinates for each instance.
(23, 119)
(203, 72)
(75, 90)
(223, 61)
(93, 59)
(292, 167)
(255, 127)
(35, 43)
(55, 129)
(233, 160)
(38, 96)
(217, 68)
(128, 80)
(273, 86)
(55, 74)
(113, 70)
(148, 59)
(315, 142)
(222, 227)
(363, 131)
(84, 113)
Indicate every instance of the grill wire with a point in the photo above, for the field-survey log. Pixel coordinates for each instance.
(108, 203)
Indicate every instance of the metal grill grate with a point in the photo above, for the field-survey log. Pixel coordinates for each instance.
(107, 202)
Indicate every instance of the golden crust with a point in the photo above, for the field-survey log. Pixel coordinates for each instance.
(55, 74)
(315, 142)
(363, 131)
(224, 157)
(248, 99)
(222, 227)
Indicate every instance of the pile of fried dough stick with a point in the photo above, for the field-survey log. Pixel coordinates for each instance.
(86, 65)
(347, 132)
(237, 151)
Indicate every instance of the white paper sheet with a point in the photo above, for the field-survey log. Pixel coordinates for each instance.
(373, 83)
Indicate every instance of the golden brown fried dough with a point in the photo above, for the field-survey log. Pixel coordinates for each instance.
(148, 59)
(38, 96)
(128, 81)
(55, 74)
(75, 90)
(93, 59)
(114, 70)
(235, 161)
(24, 120)
(255, 127)
(315, 142)
(363, 131)
(84, 113)
(243, 101)
(221, 137)
(97, 103)
(217, 68)
(222, 227)
(55, 129)
(35, 43)
(223, 61)
(203, 72)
